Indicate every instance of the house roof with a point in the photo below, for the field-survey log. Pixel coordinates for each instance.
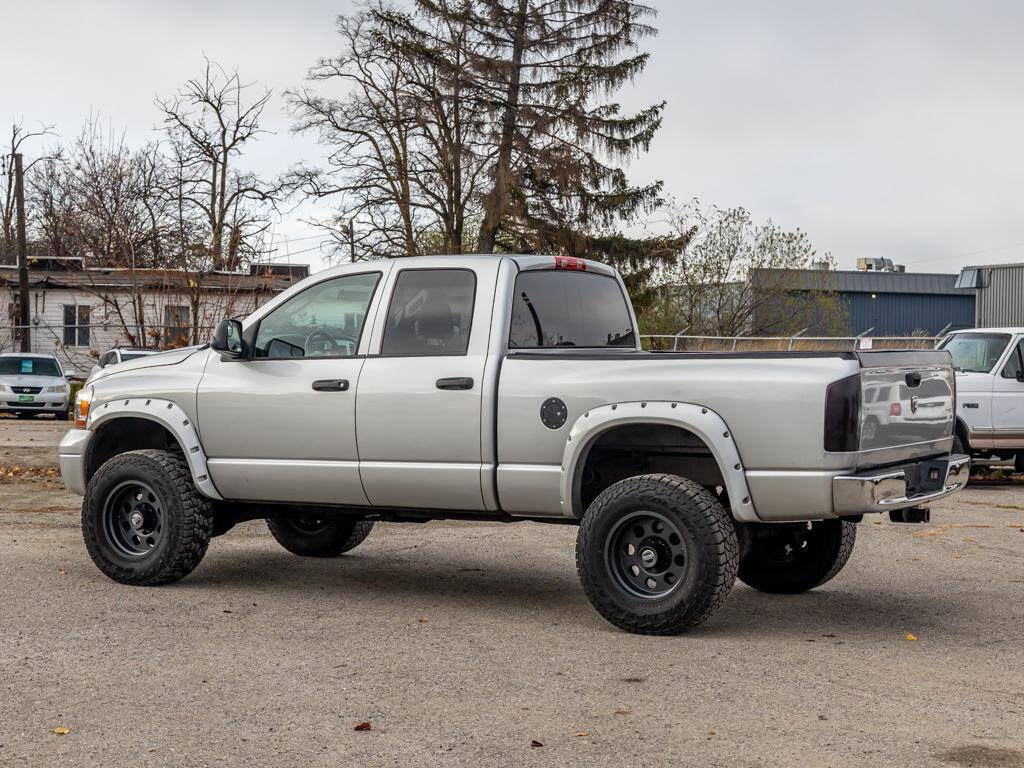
(147, 279)
(856, 281)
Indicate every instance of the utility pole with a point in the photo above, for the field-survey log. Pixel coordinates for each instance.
(23, 308)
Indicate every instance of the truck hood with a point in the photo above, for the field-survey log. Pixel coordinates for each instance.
(170, 357)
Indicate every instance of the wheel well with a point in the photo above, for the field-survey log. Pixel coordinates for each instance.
(639, 449)
(123, 434)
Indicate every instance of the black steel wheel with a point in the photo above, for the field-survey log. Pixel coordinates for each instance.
(646, 555)
(656, 554)
(793, 558)
(143, 521)
(309, 535)
(133, 518)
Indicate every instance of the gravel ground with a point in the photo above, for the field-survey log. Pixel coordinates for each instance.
(472, 644)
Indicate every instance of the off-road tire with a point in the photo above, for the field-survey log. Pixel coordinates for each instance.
(329, 539)
(187, 518)
(766, 568)
(708, 539)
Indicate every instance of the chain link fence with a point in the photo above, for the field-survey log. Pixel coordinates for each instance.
(686, 343)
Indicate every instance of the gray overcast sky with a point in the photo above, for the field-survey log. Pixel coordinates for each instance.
(879, 128)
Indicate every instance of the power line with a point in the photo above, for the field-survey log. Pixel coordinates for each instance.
(972, 253)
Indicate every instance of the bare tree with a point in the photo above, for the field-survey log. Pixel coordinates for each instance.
(734, 277)
(401, 164)
(19, 137)
(208, 122)
(100, 203)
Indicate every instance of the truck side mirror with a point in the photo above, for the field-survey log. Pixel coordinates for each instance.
(227, 339)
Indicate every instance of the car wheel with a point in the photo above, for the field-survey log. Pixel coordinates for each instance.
(24, 414)
(143, 520)
(656, 554)
(793, 558)
(1019, 463)
(311, 536)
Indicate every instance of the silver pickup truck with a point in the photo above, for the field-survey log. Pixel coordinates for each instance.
(508, 388)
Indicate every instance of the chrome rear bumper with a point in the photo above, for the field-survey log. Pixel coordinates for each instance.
(883, 490)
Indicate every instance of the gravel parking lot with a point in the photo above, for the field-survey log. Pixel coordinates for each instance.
(472, 644)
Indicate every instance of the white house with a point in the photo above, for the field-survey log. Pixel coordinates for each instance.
(78, 314)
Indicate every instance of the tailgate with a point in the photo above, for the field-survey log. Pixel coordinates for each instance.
(908, 405)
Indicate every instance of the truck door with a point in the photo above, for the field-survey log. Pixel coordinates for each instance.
(418, 407)
(281, 426)
(1008, 400)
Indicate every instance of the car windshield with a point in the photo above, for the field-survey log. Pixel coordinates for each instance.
(28, 366)
(975, 352)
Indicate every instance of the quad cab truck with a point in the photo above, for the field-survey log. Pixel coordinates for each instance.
(989, 365)
(508, 388)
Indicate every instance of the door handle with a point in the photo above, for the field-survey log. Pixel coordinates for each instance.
(458, 382)
(330, 385)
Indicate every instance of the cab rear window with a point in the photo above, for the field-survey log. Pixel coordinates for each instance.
(569, 309)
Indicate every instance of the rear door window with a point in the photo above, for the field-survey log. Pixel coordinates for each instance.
(569, 309)
(431, 313)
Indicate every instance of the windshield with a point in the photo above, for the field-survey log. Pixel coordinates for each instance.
(975, 352)
(28, 366)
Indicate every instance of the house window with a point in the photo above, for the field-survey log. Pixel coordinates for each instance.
(76, 325)
(177, 327)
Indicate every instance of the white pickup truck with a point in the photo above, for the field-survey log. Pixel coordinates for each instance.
(508, 388)
(990, 392)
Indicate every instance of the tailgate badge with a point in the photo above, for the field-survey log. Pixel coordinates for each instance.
(913, 404)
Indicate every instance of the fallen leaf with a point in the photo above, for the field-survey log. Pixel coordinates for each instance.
(424, 621)
(711, 733)
(909, 637)
(534, 743)
(62, 730)
(822, 717)
(581, 734)
(623, 712)
(363, 727)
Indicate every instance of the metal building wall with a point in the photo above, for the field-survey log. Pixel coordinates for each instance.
(1001, 299)
(903, 314)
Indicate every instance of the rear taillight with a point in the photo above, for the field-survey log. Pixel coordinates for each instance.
(842, 415)
(895, 409)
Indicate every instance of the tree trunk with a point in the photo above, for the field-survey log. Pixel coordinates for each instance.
(496, 200)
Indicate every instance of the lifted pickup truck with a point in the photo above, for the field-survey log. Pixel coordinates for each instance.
(508, 388)
(989, 366)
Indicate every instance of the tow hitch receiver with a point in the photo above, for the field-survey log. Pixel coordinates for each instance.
(910, 515)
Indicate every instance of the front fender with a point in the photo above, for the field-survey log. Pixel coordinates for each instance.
(169, 415)
(701, 421)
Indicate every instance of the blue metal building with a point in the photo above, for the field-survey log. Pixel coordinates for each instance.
(888, 303)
